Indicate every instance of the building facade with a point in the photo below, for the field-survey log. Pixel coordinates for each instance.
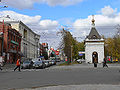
(1, 41)
(44, 50)
(30, 40)
(10, 44)
(94, 46)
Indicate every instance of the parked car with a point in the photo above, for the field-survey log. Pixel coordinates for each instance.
(46, 63)
(53, 62)
(36, 59)
(27, 65)
(39, 64)
(81, 60)
(50, 62)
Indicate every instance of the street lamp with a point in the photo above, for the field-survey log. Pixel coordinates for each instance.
(71, 53)
(3, 7)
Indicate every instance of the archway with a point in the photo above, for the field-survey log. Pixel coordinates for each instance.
(95, 57)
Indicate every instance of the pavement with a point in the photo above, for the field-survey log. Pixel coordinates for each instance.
(85, 65)
(49, 73)
(10, 67)
(76, 87)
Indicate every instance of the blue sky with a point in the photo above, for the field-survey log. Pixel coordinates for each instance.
(80, 10)
(47, 16)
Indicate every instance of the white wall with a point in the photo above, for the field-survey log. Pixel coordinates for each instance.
(91, 47)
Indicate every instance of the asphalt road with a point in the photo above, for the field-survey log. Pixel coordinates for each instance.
(56, 75)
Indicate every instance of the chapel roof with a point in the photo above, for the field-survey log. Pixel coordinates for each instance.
(93, 33)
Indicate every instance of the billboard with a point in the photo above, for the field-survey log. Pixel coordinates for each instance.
(81, 53)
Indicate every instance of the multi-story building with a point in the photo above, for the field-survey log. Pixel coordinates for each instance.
(44, 50)
(10, 43)
(30, 40)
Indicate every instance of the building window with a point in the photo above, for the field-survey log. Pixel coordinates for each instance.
(25, 34)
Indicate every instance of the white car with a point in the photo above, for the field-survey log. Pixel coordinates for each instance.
(36, 59)
(81, 60)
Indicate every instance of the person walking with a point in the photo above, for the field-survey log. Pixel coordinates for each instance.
(104, 63)
(95, 62)
(0, 66)
(17, 65)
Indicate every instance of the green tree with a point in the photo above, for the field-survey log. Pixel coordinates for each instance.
(71, 46)
(112, 46)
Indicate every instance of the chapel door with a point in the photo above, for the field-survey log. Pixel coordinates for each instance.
(95, 57)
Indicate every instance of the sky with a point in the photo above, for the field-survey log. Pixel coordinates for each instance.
(47, 17)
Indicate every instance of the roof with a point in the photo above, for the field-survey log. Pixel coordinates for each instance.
(93, 34)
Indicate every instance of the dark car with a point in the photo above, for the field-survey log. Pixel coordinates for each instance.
(39, 64)
(27, 65)
(53, 62)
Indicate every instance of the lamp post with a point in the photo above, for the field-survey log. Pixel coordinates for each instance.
(3, 7)
(71, 53)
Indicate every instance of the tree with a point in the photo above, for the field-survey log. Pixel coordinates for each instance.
(112, 46)
(70, 45)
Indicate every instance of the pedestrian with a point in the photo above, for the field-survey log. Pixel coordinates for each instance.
(0, 66)
(95, 62)
(17, 65)
(104, 63)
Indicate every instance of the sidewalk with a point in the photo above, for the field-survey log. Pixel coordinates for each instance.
(8, 67)
(85, 65)
(76, 87)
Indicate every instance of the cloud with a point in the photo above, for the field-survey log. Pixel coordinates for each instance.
(62, 2)
(108, 11)
(25, 18)
(48, 24)
(46, 28)
(105, 23)
(21, 4)
(28, 4)
(34, 22)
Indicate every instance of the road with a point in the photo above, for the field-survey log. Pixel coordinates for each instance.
(59, 75)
